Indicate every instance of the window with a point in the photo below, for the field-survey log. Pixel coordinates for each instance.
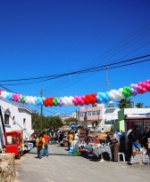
(6, 119)
(109, 121)
(89, 113)
(6, 116)
(98, 112)
(94, 113)
(13, 118)
(24, 123)
(82, 114)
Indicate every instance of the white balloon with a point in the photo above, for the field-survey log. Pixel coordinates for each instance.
(120, 95)
(32, 100)
(65, 100)
(70, 98)
(27, 98)
(4, 94)
(112, 95)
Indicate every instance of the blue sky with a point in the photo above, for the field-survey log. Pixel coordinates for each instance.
(47, 37)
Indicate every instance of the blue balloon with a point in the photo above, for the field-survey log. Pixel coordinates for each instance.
(102, 97)
(9, 96)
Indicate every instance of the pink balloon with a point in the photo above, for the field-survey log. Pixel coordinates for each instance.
(74, 101)
(148, 87)
(140, 83)
(147, 81)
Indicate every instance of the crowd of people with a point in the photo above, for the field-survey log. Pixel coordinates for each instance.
(135, 140)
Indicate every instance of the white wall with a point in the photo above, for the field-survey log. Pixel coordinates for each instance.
(19, 115)
(132, 111)
(111, 114)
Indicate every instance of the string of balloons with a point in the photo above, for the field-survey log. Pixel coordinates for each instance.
(100, 97)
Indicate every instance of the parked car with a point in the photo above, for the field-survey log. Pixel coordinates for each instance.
(98, 129)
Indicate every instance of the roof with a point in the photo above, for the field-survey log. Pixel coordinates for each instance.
(24, 108)
(145, 116)
(16, 105)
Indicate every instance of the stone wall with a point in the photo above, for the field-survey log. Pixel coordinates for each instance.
(7, 168)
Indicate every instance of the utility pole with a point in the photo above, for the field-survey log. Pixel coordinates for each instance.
(41, 94)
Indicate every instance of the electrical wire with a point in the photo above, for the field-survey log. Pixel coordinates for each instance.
(92, 69)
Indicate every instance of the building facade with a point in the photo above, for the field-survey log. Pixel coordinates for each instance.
(16, 118)
(133, 116)
(97, 116)
(128, 117)
(91, 116)
(74, 115)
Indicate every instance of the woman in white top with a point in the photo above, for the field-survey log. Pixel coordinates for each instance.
(76, 138)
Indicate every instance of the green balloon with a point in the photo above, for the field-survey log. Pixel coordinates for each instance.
(55, 101)
(126, 91)
(22, 99)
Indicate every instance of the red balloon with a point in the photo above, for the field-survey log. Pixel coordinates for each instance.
(45, 102)
(85, 100)
(51, 101)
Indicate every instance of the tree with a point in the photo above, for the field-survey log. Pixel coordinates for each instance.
(47, 122)
(70, 120)
(36, 121)
(125, 103)
(56, 122)
(139, 105)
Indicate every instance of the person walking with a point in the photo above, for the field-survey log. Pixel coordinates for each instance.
(47, 139)
(40, 145)
(70, 139)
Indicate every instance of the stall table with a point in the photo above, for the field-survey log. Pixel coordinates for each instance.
(140, 158)
(97, 151)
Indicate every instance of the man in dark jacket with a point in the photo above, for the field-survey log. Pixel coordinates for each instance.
(145, 136)
(135, 138)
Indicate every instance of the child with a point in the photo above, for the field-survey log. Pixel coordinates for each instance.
(97, 140)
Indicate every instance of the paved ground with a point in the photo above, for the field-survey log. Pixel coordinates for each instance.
(61, 167)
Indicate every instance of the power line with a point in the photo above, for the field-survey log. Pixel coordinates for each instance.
(142, 32)
(92, 69)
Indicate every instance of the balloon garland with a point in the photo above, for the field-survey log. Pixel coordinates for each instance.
(100, 97)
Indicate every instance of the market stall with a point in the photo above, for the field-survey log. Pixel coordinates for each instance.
(140, 121)
(99, 150)
(140, 158)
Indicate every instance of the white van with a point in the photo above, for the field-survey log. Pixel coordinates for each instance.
(106, 128)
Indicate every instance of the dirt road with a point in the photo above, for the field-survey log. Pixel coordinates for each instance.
(61, 167)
